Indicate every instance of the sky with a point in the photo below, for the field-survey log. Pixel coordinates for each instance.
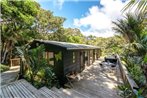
(92, 17)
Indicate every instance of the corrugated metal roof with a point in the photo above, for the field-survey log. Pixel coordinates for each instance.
(68, 46)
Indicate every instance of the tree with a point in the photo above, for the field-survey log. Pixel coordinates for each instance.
(132, 30)
(130, 27)
(23, 21)
(17, 18)
(74, 35)
(46, 22)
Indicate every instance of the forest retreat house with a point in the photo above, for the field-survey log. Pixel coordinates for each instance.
(68, 58)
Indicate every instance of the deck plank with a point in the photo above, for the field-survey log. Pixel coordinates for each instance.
(4, 93)
(9, 93)
(12, 90)
(21, 91)
(31, 88)
(46, 94)
(52, 93)
(30, 95)
(18, 92)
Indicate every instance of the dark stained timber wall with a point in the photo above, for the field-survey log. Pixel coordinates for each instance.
(69, 65)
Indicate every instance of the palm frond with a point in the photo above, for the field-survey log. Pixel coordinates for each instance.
(141, 5)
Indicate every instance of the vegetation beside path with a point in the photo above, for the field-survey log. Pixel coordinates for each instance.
(25, 21)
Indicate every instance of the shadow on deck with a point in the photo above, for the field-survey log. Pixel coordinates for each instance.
(96, 82)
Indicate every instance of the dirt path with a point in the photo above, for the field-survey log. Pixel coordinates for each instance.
(99, 82)
(10, 75)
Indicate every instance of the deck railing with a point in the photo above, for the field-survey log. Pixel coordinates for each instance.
(127, 79)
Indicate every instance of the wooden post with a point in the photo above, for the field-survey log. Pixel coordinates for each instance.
(21, 72)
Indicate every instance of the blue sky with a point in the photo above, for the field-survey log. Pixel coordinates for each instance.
(92, 17)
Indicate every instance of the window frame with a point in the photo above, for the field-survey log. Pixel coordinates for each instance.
(49, 60)
(73, 57)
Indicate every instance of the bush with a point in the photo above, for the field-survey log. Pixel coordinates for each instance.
(133, 64)
(137, 74)
(125, 91)
(44, 77)
(3, 68)
(39, 72)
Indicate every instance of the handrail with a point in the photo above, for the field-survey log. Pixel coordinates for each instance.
(127, 79)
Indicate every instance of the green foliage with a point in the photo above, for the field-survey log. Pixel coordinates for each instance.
(134, 68)
(23, 21)
(38, 71)
(17, 19)
(58, 56)
(3, 68)
(139, 93)
(134, 32)
(126, 92)
(141, 5)
(137, 74)
(111, 45)
(145, 59)
(130, 27)
(48, 78)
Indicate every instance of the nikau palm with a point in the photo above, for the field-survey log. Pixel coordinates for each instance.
(134, 31)
(130, 27)
(141, 5)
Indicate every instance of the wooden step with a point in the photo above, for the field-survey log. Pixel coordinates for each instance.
(19, 89)
(60, 92)
(49, 93)
(73, 93)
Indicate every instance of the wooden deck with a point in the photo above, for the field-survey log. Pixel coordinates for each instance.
(19, 89)
(96, 82)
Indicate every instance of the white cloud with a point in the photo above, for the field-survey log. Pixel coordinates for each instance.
(59, 3)
(99, 20)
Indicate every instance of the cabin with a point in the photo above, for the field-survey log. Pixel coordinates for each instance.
(67, 58)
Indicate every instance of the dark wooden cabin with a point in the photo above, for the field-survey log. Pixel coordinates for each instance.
(67, 58)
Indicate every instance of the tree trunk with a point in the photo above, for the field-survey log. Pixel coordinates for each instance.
(8, 47)
(4, 57)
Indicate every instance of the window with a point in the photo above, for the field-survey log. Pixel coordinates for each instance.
(86, 56)
(73, 57)
(50, 57)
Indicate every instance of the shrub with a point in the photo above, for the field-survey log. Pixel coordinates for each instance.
(125, 91)
(3, 68)
(133, 65)
(137, 74)
(39, 72)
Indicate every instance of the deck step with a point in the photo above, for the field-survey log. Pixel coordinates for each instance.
(49, 93)
(73, 93)
(19, 89)
(60, 92)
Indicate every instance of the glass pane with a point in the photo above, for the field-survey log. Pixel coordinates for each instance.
(74, 57)
(51, 55)
(51, 62)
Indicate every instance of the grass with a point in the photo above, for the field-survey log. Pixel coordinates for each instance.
(3, 68)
